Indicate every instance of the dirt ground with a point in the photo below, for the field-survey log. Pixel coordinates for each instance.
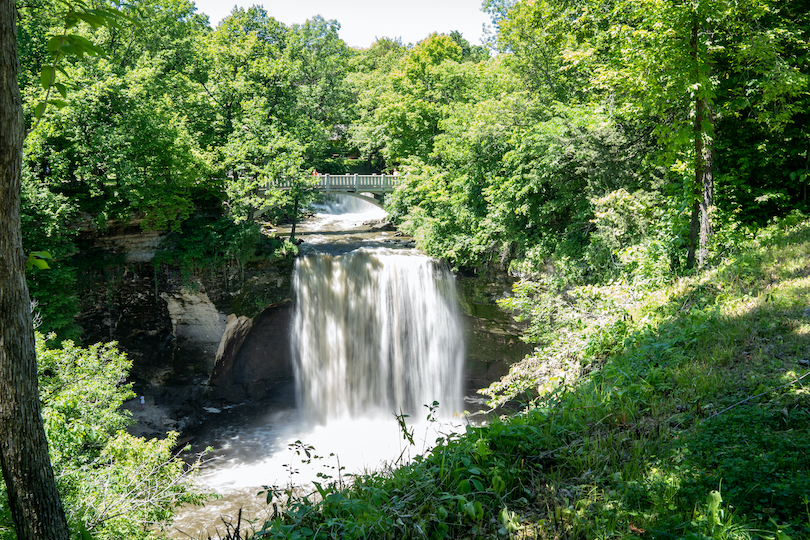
(151, 421)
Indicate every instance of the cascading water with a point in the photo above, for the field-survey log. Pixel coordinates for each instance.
(375, 332)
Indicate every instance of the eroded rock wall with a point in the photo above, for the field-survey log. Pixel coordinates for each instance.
(492, 334)
(170, 324)
(198, 327)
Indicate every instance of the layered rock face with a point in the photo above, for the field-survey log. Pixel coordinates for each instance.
(198, 327)
(128, 310)
(172, 327)
(492, 335)
(226, 337)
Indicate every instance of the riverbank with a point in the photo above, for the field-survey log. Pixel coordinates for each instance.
(691, 419)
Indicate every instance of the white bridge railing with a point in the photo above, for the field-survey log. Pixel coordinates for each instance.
(372, 183)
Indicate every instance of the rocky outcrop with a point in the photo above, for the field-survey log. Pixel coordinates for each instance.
(492, 334)
(385, 226)
(128, 310)
(197, 326)
(171, 325)
(135, 245)
(254, 358)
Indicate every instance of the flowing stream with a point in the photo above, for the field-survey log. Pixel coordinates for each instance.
(376, 333)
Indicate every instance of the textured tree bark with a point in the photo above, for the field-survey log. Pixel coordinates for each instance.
(32, 494)
(700, 229)
(694, 235)
(701, 226)
(707, 198)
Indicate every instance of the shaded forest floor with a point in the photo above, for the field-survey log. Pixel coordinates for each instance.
(690, 419)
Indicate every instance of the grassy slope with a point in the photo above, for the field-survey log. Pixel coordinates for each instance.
(692, 420)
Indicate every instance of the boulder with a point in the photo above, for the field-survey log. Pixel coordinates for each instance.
(254, 359)
(381, 227)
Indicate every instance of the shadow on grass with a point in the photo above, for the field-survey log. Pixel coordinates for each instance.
(710, 396)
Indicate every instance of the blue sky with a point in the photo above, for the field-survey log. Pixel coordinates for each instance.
(363, 21)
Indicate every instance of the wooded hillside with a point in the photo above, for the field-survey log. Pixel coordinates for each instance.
(642, 166)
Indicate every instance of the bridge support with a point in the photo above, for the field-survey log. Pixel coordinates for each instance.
(376, 198)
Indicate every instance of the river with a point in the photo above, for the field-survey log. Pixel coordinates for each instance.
(376, 333)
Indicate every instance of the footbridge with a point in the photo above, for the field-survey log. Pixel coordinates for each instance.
(370, 187)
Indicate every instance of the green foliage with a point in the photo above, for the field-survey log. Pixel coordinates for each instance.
(72, 45)
(207, 246)
(119, 152)
(454, 491)
(405, 97)
(82, 392)
(44, 215)
(112, 484)
(494, 192)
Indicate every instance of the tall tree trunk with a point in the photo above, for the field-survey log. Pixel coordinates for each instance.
(704, 185)
(700, 229)
(707, 195)
(32, 494)
(694, 235)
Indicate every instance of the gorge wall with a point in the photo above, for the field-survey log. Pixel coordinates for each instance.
(221, 335)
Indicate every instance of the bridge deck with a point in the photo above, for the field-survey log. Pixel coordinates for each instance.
(350, 183)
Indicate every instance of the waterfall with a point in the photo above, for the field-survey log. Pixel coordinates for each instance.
(374, 332)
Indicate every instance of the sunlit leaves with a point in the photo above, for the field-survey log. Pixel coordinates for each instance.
(38, 259)
(72, 45)
(112, 483)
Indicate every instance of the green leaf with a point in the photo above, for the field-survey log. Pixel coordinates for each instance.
(37, 258)
(113, 17)
(47, 78)
(39, 110)
(54, 44)
(84, 43)
(469, 510)
(61, 88)
(93, 20)
(498, 484)
(41, 264)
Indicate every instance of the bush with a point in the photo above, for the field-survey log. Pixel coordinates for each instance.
(112, 485)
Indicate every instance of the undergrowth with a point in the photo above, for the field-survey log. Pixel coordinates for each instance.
(690, 419)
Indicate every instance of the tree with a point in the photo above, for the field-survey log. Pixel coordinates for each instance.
(33, 497)
(401, 108)
(121, 146)
(681, 66)
(279, 94)
(372, 70)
